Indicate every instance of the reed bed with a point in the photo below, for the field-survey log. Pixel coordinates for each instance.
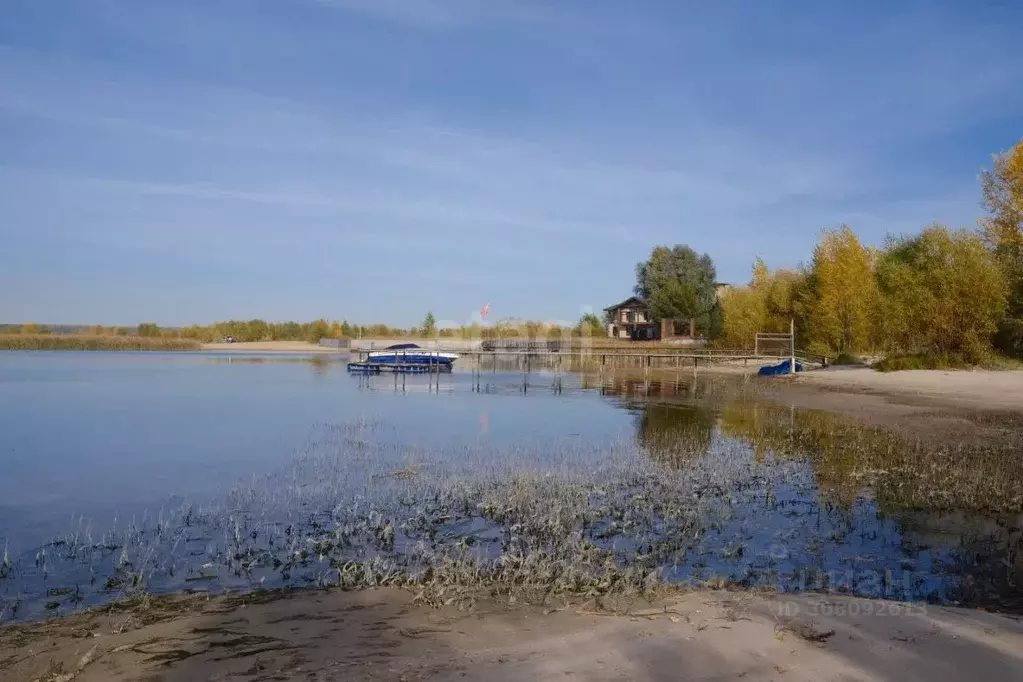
(94, 342)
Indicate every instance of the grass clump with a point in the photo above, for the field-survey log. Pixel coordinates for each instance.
(93, 342)
(984, 360)
(898, 363)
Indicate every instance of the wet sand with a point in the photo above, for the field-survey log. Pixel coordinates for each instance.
(381, 635)
(975, 407)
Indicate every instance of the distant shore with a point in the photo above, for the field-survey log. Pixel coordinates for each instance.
(94, 342)
(269, 347)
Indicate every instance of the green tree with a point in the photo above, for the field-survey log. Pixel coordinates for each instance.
(942, 293)
(1003, 232)
(149, 329)
(429, 326)
(679, 284)
(590, 325)
(841, 293)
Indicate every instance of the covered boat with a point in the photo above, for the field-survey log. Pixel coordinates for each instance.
(410, 353)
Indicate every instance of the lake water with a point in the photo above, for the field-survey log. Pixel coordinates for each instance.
(123, 470)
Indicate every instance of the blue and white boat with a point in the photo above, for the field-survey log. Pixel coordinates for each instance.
(410, 353)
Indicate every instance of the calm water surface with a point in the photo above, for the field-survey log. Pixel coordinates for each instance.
(99, 445)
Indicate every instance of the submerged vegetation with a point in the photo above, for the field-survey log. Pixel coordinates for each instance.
(93, 342)
(753, 496)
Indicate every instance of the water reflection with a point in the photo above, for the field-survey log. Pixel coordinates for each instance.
(674, 435)
(863, 512)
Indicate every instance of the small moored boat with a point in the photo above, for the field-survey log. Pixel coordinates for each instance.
(410, 353)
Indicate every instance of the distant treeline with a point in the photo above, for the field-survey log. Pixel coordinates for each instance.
(21, 341)
(941, 295)
(312, 332)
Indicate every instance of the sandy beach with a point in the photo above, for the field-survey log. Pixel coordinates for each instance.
(381, 635)
(977, 389)
(926, 406)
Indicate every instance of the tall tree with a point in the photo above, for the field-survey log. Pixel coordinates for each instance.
(942, 293)
(679, 284)
(841, 293)
(1003, 231)
(429, 326)
(766, 304)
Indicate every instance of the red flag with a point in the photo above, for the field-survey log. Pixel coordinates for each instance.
(485, 310)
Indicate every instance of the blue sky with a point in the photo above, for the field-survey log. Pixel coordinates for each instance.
(192, 160)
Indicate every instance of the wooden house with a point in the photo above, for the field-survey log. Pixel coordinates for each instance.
(631, 319)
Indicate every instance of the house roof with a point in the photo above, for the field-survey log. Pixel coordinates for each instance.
(631, 300)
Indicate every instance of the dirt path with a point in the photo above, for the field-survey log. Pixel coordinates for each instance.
(381, 635)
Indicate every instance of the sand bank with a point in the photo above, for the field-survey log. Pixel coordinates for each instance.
(381, 635)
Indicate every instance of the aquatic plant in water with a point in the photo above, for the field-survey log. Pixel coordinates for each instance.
(362, 506)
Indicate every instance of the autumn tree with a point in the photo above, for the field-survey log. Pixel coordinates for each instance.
(679, 284)
(942, 292)
(317, 330)
(767, 304)
(743, 310)
(840, 296)
(1003, 232)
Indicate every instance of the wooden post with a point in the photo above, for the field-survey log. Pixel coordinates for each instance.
(792, 339)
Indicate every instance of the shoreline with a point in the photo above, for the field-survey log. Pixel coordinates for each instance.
(930, 407)
(382, 634)
(270, 347)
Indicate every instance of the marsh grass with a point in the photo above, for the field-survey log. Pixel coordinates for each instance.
(93, 342)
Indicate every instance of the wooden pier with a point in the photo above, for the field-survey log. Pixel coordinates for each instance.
(610, 358)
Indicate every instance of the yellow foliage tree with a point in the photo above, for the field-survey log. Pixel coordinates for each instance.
(942, 292)
(841, 293)
(743, 312)
(766, 304)
(1003, 232)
